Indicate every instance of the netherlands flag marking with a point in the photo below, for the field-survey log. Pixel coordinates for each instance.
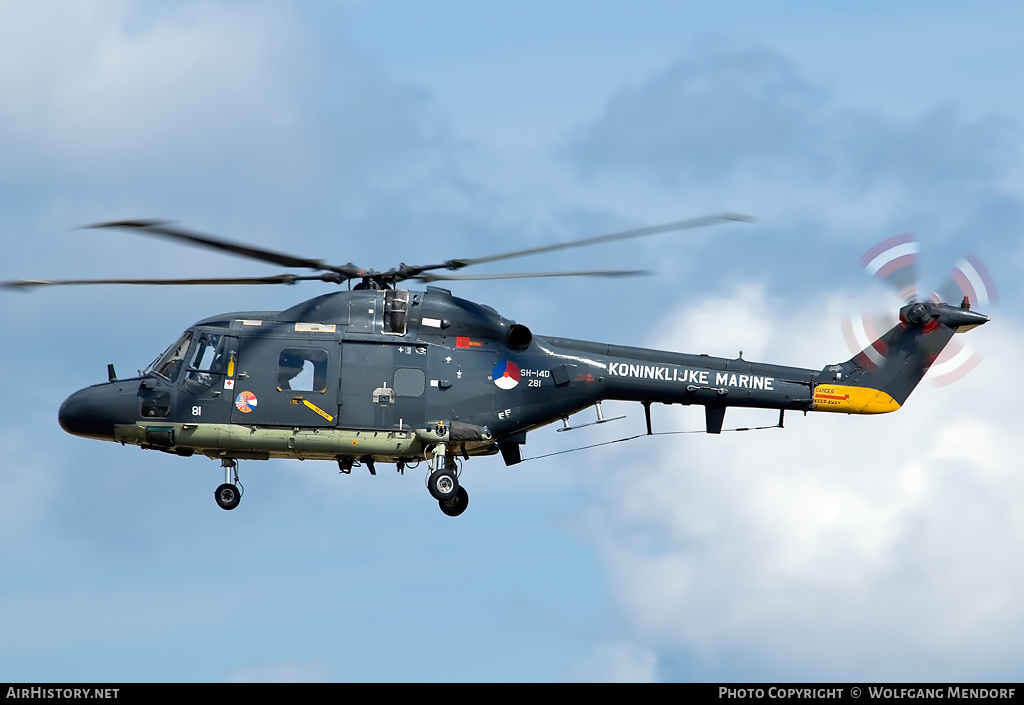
(506, 374)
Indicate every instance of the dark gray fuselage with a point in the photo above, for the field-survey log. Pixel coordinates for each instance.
(381, 373)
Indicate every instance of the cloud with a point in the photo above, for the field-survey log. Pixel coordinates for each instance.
(616, 663)
(757, 548)
(841, 547)
(721, 114)
(201, 104)
(254, 125)
(112, 83)
(706, 115)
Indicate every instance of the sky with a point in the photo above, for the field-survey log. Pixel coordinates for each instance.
(837, 549)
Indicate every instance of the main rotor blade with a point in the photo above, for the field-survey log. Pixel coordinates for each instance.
(163, 229)
(276, 279)
(532, 275)
(640, 232)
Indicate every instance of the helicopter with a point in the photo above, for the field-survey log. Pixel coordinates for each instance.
(382, 374)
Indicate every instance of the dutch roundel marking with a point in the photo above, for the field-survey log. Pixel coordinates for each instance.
(506, 374)
(245, 402)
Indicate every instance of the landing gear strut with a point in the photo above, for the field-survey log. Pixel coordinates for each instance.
(443, 483)
(229, 494)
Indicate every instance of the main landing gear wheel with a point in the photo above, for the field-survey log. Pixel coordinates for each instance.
(227, 496)
(443, 484)
(454, 506)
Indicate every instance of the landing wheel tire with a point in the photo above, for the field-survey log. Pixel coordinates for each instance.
(456, 505)
(227, 496)
(442, 484)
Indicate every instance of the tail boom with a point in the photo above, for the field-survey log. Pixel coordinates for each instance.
(857, 386)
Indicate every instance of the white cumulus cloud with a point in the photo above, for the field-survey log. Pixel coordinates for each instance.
(841, 547)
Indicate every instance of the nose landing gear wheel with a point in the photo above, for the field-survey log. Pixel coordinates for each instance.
(442, 484)
(227, 496)
(456, 505)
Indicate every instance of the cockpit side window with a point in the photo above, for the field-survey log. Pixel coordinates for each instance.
(302, 370)
(208, 360)
(203, 357)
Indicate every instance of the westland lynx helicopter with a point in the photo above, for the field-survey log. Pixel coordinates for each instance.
(380, 374)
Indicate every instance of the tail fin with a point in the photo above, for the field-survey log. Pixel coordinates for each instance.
(879, 379)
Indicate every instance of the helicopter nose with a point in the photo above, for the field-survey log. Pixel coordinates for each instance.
(92, 412)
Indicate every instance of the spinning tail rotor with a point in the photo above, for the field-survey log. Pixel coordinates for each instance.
(894, 262)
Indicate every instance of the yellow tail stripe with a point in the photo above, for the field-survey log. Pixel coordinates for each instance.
(852, 400)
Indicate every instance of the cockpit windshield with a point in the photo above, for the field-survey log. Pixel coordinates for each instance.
(168, 364)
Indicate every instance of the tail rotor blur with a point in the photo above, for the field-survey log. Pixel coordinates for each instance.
(895, 263)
